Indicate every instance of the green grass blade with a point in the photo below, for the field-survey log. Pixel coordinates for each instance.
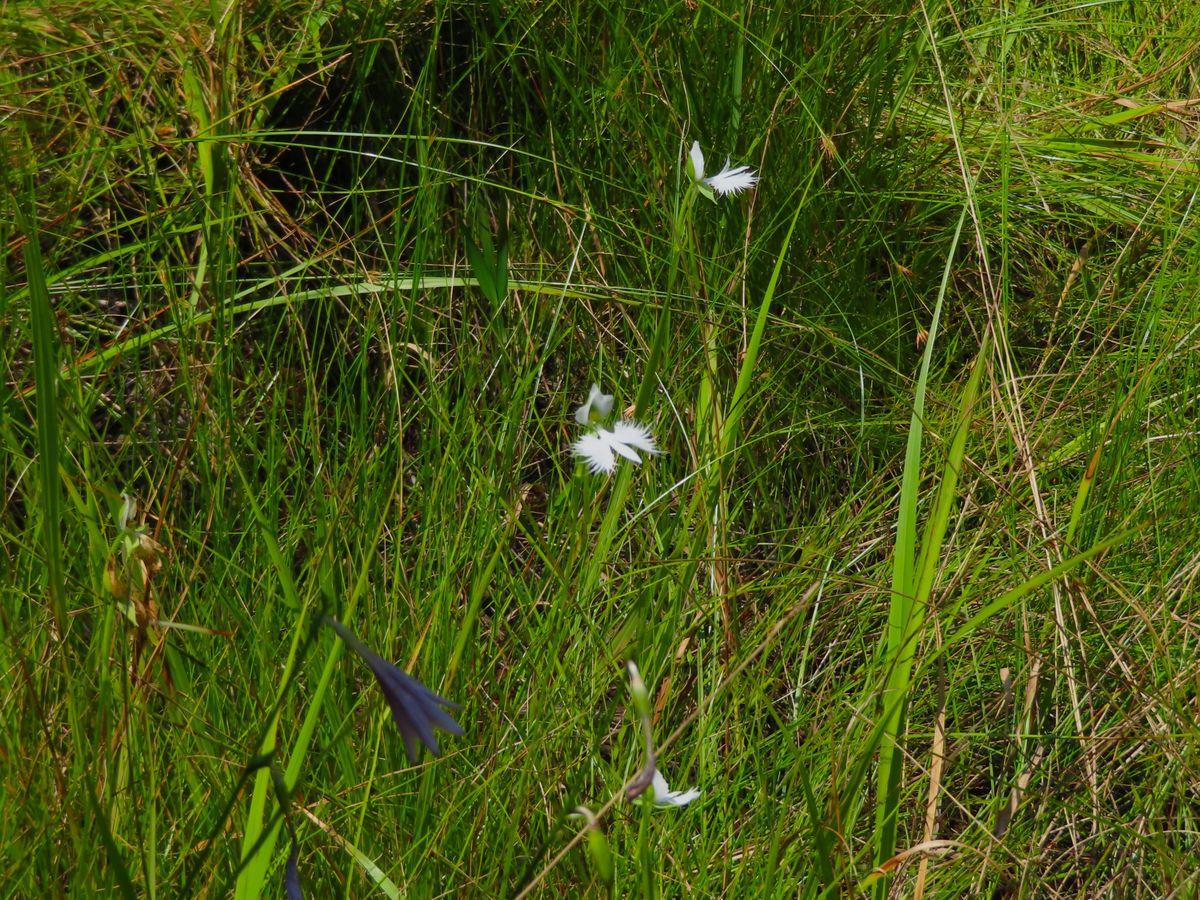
(115, 858)
(45, 353)
(1008, 598)
(904, 600)
(257, 845)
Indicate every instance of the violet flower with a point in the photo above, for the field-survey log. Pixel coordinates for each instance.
(416, 709)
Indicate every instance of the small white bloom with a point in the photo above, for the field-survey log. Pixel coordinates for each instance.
(595, 450)
(665, 797)
(600, 448)
(596, 408)
(697, 157)
(732, 180)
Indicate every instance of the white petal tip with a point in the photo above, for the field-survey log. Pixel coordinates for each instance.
(696, 155)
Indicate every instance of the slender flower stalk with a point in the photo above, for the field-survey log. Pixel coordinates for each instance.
(641, 706)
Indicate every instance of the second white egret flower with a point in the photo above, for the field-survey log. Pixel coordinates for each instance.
(601, 449)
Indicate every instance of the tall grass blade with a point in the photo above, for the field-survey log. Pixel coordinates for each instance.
(905, 608)
(45, 369)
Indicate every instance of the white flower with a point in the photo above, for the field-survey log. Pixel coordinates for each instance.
(596, 408)
(600, 448)
(665, 797)
(730, 180)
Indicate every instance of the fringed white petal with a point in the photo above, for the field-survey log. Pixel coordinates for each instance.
(600, 448)
(596, 451)
(732, 180)
(633, 434)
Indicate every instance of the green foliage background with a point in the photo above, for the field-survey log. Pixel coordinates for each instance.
(254, 264)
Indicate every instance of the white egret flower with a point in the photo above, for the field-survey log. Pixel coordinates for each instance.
(730, 180)
(596, 408)
(600, 448)
(664, 797)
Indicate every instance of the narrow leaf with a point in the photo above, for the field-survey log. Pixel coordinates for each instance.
(45, 368)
